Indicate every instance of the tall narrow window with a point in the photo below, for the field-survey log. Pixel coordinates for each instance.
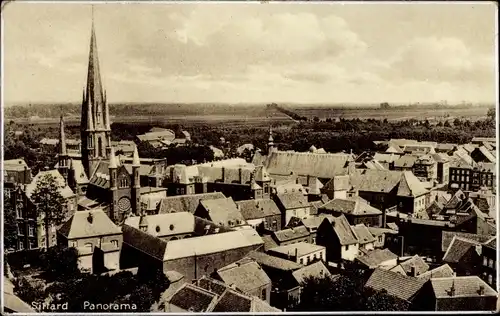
(99, 148)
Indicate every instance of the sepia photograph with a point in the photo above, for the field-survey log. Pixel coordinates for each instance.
(249, 157)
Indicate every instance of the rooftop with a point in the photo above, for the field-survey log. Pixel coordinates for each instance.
(465, 286)
(185, 203)
(396, 284)
(246, 275)
(291, 233)
(86, 224)
(301, 248)
(353, 206)
(266, 260)
(314, 270)
(376, 257)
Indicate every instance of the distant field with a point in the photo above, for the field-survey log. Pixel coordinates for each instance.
(393, 114)
(235, 115)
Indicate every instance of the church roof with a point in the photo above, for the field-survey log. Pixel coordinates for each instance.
(86, 224)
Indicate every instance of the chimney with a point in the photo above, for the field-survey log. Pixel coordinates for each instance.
(451, 292)
(240, 173)
(90, 218)
(481, 290)
(413, 271)
(223, 174)
(296, 254)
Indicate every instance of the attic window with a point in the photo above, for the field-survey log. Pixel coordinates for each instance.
(171, 227)
(157, 229)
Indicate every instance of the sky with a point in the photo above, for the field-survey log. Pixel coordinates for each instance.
(253, 53)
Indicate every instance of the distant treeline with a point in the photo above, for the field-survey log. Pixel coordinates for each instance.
(290, 113)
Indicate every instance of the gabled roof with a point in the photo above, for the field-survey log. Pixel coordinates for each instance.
(353, 206)
(465, 286)
(458, 248)
(363, 234)
(192, 298)
(291, 233)
(447, 237)
(161, 225)
(314, 270)
(374, 258)
(385, 181)
(15, 165)
(394, 149)
(87, 224)
(439, 272)
(396, 284)
(319, 165)
(293, 200)
(377, 231)
(223, 211)
(246, 275)
(63, 188)
(211, 284)
(415, 262)
(406, 161)
(313, 222)
(344, 231)
(186, 203)
(269, 242)
(258, 208)
(273, 262)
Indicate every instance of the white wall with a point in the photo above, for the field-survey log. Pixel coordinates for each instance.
(349, 252)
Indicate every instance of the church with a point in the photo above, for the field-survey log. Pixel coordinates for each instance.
(100, 178)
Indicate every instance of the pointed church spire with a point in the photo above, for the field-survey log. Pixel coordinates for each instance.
(94, 84)
(136, 162)
(62, 138)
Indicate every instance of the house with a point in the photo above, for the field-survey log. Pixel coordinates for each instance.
(464, 256)
(443, 271)
(469, 177)
(488, 267)
(425, 168)
(404, 163)
(193, 257)
(447, 237)
(413, 266)
(302, 252)
(293, 205)
(233, 177)
(465, 293)
(31, 227)
(286, 291)
(339, 239)
(246, 276)
(15, 172)
(261, 213)
(385, 189)
(291, 235)
(443, 167)
(185, 203)
(365, 238)
(382, 258)
(355, 209)
(384, 237)
(221, 211)
(94, 235)
(312, 223)
(338, 187)
(400, 286)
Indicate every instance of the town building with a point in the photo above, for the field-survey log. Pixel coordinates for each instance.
(376, 258)
(293, 204)
(404, 287)
(170, 226)
(301, 252)
(246, 276)
(365, 238)
(97, 239)
(224, 212)
(339, 239)
(261, 214)
(291, 235)
(466, 177)
(15, 172)
(466, 293)
(355, 209)
(443, 271)
(489, 262)
(185, 203)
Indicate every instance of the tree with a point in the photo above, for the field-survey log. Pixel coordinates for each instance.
(49, 203)
(491, 114)
(10, 222)
(61, 262)
(345, 293)
(384, 105)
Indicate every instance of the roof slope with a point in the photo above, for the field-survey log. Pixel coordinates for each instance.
(314, 270)
(440, 272)
(86, 224)
(464, 286)
(266, 260)
(458, 248)
(192, 298)
(353, 206)
(291, 233)
(223, 211)
(246, 275)
(415, 262)
(293, 200)
(186, 203)
(313, 164)
(165, 224)
(375, 257)
(396, 284)
(258, 208)
(447, 237)
(363, 234)
(344, 231)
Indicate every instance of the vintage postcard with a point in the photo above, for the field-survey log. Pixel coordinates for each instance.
(249, 157)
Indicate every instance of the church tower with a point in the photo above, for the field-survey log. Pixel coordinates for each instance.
(270, 143)
(63, 154)
(95, 127)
